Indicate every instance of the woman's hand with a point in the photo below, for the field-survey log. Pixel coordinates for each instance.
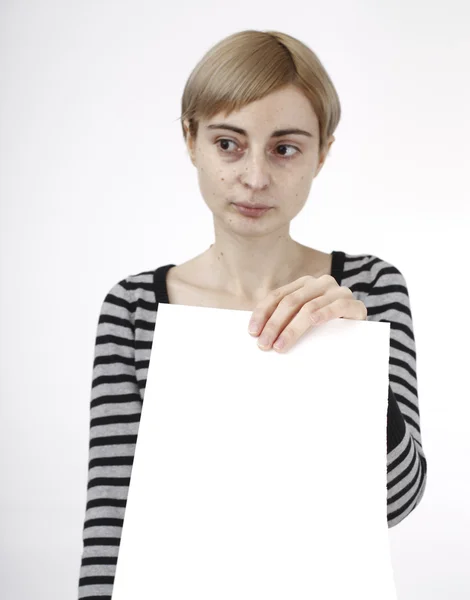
(289, 311)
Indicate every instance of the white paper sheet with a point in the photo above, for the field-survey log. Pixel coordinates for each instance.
(258, 475)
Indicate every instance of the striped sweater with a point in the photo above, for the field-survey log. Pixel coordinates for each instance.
(121, 359)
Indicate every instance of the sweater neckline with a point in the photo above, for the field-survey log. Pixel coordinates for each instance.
(161, 288)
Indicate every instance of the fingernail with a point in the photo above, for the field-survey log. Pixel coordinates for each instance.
(264, 341)
(253, 327)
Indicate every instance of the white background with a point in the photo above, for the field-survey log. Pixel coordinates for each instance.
(96, 184)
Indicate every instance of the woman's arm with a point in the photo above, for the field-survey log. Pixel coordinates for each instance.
(114, 420)
(388, 300)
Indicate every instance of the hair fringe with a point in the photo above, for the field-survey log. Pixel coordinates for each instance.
(247, 66)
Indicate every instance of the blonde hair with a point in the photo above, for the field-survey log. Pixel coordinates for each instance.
(248, 65)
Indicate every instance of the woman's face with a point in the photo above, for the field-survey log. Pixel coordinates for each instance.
(255, 166)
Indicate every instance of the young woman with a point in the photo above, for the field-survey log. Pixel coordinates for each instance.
(258, 116)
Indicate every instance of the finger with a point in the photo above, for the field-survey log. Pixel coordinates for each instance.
(266, 308)
(313, 313)
(283, 314)
(316, 294)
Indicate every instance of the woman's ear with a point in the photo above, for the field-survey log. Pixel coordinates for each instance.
(324, 154)
(189, 140)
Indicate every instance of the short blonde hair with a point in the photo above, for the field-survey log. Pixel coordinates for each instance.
(248, 65)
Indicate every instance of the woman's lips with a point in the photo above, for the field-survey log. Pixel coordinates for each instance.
(250, 211)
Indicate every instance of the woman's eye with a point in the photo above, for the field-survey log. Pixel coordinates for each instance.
(289, 146)
(226, 142)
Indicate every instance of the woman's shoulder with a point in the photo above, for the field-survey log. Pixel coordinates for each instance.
(134, 290)
(364, 272)
(367, 265)
(132, 284)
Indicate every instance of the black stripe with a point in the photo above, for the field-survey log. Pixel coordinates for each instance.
(159, 284)
(386, 270)
(355, 257)
(141, 285)
(402, 474)
(119, 300)
(114, 419)
(145, 305)
(110, 481)
(110, 379)
(393, 288)
(114, 339)
(411, 388)
(412, 422)
(401, 327)
(110, 461)
(145, 325)
(105, 522)
(142, 364)
(399, 346)
(399, 380)
(400, 458)
(97, 580)
(113, 440)
(337, 265)
(404, 365)
(355, 271)
(99, 560)
(108, 541)
(407, 403)
(359, 287)
(100, 502)
(114, 320)
(112, 359)
(115, 399)
(143, 345)
(381, 308)
(424, 463)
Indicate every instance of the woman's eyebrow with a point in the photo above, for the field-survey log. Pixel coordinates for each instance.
(277, 133)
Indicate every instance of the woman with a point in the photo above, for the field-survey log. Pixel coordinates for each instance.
(258, 115)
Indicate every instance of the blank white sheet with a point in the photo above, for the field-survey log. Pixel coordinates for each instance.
(258, 475)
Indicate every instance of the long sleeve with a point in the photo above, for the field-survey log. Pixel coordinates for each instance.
(114, 419)
(388, 300)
